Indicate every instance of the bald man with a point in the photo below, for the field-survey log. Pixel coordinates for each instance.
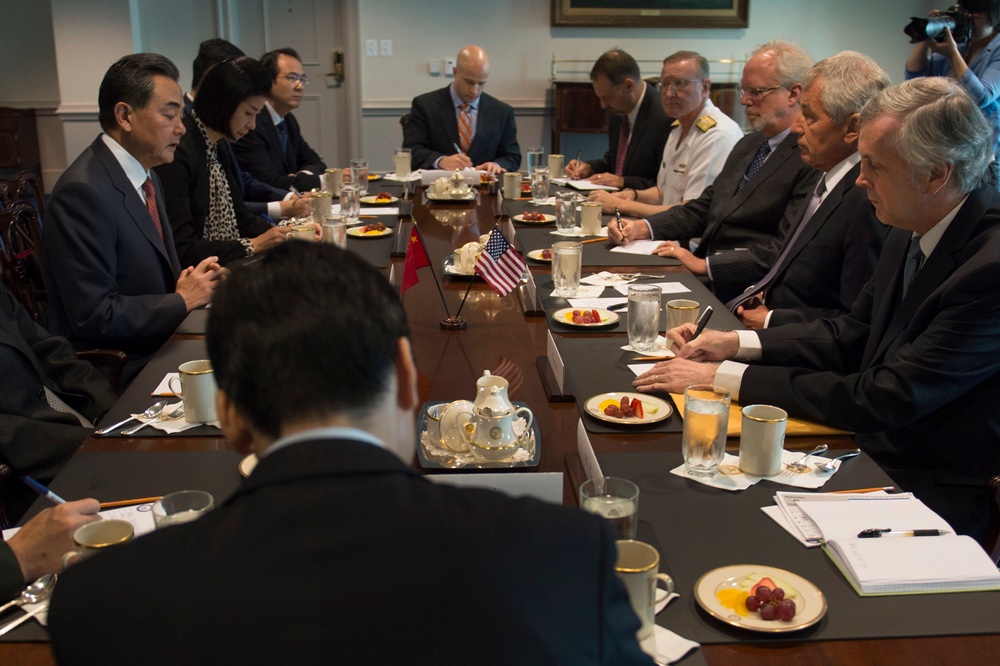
(460, 126)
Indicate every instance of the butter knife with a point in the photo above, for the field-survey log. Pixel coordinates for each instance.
(21, 620)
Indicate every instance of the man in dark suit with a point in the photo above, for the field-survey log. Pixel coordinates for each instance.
(49, 399)
(110, 264)
(742, 216)
(275, 152)
(334, 505)
(462, 116)
(830, 253)
(637, 128)
(913, 368)
(259, 197)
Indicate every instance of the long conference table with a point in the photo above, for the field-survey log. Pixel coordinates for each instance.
(696, 528)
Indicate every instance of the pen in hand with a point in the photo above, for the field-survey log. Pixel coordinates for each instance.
(618, 218)
(576, 162)
(702, 321)
(458, 150)
(42, 490)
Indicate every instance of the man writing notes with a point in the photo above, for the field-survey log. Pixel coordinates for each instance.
(739, 217)
(460, 126)
(110, 263)
(275, 152)
(333, 503)
(637, 130)
(914, 367)
(696, 148)
(830, 253)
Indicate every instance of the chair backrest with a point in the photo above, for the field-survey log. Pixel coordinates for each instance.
(29, 189)
(21, 258)
(403, 121)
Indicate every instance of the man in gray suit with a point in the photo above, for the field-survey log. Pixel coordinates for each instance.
(739, 218)
(110, 263)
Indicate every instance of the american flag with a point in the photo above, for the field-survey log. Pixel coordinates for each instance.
(500, 264)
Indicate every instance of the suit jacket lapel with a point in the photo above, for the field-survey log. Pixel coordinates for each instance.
(739, 196)
(449, 120)
(823, 213)
(135, 207)
(637, 129)
(267, 129)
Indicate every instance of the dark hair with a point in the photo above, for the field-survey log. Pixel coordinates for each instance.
(700, 62)
(307, 331)
(617, 66)
(130, 80)
(990, 7)
(270, 59)
(224, 88)
(212, 52)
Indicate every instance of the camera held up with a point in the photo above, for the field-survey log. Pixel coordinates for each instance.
(955, 17)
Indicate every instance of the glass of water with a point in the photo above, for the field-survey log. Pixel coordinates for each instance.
(566, 264)
(359, 175)
(706, 421)
(565, 210)
(615, 499)
(643, 316)
(350, 203)
(539, 184)
(181, 507)
(534, 155)
(335, 230)
(401, 161)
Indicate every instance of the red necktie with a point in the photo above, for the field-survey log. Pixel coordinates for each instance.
(147, 189)
(465, 128)
(622, 147)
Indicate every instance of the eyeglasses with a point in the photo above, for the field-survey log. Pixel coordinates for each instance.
(755, 93)
(294, 78)
(676, 86)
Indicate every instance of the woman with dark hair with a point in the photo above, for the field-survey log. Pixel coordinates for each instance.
(204, 204)
(974, 64)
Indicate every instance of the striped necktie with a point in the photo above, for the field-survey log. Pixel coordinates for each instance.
(282, 137)
(147, 189)
(755, 164)
(465, 128)
(914, 256)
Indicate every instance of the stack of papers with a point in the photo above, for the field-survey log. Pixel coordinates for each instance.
(893, 563)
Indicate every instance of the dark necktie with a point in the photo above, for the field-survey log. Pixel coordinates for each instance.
(779, 264)
(282, 137)
(913, 258)
(147, 189)
(622, 147)
(755, 164)
(465, 128)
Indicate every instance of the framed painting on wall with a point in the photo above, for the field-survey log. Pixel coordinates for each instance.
(651, 13)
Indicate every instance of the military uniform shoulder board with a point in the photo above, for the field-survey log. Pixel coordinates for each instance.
(706, 123)
(675, 123)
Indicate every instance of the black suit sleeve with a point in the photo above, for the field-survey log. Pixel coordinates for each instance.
(508, 154)
(416, 137)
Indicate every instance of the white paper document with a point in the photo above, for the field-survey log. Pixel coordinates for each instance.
(638, 247)
(587, 186)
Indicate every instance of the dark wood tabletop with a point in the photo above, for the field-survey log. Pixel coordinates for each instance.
(500, 338)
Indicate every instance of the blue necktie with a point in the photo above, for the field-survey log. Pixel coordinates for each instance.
(755, 165)
(913, 258)
(282, 137)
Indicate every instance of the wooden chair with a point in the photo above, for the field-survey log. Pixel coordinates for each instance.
(403, 121)
(29, 189)
(21, 257)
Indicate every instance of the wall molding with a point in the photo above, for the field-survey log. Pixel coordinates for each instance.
(378, 108)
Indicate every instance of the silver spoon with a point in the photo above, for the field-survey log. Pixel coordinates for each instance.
(800, 464)
(828, 466)
(151, 413)
(159, 416)
(37, 591)
(153, 410)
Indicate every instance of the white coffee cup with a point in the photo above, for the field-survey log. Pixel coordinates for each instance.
(334, 179)
(555, 165)
(590, 217)
(195, 384)
(682, 311)
(94, 537)
(762, 438)
(637, 566)
(512, 185)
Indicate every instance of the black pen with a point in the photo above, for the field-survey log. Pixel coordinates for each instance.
(42, 490)
(875, 533)
(702, 321)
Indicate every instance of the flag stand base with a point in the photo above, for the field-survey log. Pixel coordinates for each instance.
(453, 323)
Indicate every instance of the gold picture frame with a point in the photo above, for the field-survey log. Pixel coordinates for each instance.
(651, 13)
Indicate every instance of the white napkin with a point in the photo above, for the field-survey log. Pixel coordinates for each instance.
(577, 232)
(163, 389)
(171, 426)
(660, 349)
(665, 646)
(737, 480)
(665, 287)
(412, 176)
(551, 201)
(43, 617)
(638, 247)
(608, 279)
(585, 291)
(380, 210)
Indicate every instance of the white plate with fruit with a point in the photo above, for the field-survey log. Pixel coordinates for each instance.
(585, 317)
(640, 410)
(545, 255)
(534, 217)
(782, 601)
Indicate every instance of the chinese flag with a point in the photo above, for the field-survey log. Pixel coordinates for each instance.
(416, 258)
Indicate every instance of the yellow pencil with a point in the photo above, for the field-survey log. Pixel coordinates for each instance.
(129, 502)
